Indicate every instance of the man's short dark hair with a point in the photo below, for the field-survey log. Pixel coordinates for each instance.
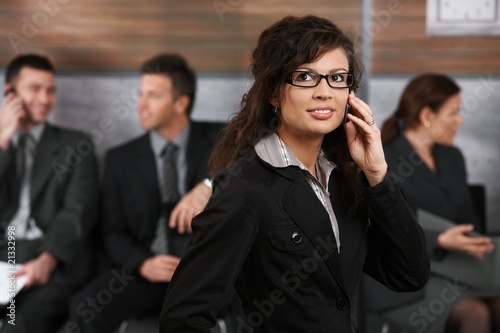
(175, 67)
(27, 60)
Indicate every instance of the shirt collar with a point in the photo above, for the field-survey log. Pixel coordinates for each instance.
(274, 151)
(158, 142)
(35, 133)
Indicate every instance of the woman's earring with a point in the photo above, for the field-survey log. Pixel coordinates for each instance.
(276, 108)
(427, 124)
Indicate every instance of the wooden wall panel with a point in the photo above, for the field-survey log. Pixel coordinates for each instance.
(401, 46)
(117, 35)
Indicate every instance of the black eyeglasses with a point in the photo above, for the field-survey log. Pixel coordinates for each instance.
(308, 79)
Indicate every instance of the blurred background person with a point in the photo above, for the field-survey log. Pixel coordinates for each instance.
(48, 197)
(145, 182)
(418, 144)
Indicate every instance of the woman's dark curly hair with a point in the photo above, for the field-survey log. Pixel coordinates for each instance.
(281, 49)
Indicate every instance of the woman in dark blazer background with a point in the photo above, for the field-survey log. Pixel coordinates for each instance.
(418, 143)
(303, 201)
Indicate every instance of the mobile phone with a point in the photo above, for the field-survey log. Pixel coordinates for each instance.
(11, 90)
(347, 110)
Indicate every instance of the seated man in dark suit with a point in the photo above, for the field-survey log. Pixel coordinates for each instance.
(143, 181)
(48, 199)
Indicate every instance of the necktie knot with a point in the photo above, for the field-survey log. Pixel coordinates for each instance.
(26, 141)
(169, 150)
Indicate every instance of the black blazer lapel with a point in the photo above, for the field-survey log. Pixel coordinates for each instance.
(198, 151)
(48, 159)
(144, 166)
(304, 208)
(409, 156)
(352, 227)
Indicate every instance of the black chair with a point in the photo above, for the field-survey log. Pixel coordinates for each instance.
(478, 195)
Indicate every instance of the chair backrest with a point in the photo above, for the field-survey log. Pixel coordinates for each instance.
(478, 194)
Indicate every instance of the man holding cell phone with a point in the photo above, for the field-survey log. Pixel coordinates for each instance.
(48, 197)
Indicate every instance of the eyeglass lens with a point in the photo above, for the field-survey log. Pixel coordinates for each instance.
(310, 79)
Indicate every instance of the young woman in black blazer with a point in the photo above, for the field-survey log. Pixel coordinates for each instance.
(418, 141)
(302, 202)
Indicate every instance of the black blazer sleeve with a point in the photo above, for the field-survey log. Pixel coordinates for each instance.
(9, 191)
(397, 254)
(222, 237)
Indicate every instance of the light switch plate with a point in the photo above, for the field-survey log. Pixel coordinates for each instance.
(463, 17)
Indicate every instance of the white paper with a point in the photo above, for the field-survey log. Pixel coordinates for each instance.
(9, 284)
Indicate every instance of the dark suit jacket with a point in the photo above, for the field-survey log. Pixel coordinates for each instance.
(444, 193)
(265, 231)
(64, 197)
(131, 204)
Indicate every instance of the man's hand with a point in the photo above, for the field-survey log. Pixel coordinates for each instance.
(38, 270)
(188, 207)
(159, 268)
(11, 115)
(456, 239)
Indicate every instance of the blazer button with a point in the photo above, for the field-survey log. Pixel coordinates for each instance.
(296, 238)
(342, 303)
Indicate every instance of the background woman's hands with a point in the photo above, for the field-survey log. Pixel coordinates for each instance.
(364, 142)
(456, 239)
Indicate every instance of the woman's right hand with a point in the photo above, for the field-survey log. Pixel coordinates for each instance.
(457, 239)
